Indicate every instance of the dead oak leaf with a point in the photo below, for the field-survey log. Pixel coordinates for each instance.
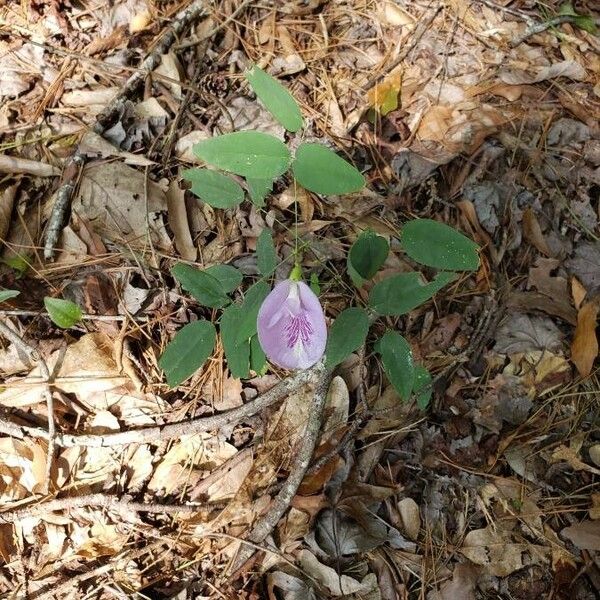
(584, 348)
(493, 549)
(585, 535)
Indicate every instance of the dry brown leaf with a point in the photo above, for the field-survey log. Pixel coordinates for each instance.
(493, 549)
(594, 453)
(517, 75)
(140, 21)
(87, 368)
(183, 148)
(533, 232)
(571, 456)
(7, 200)
(112, 198)
(335, 584)
(584, 348)
(22, 469)
(336, 409)
(411, 517)
(578, 292)
(391, 14)
(595, 509)
(15, 164)
(231, 395)
(178, 222)
(95, 146)
(462, 585)
(170, 67)
(585, 535)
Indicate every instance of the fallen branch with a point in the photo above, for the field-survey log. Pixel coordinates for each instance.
(75, 165)
(95, 501)
(265, 525)
(158, 433)
(535, 28)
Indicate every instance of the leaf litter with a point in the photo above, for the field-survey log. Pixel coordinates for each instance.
(463, 113)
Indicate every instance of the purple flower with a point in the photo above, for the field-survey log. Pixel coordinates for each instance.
(291, 326)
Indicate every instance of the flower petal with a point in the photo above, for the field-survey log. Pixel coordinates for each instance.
(291, 326)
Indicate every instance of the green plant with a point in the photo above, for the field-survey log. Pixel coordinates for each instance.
(261, 159)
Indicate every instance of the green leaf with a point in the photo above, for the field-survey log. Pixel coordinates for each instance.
(18, 263)
(389, 102)
(188, 351)
(258, 360)
(63, 313)
(321, 170)
(348, 332)
(259, 189)
(8, 294)
(314, 284)
(205, 288)
(278, 101)
(585, 22)
(436, 245)
(249, 153)
(368, 253)
(265, 253)
(214, 188)
(422, 387)
(397, 359)
(229, 277)
(253, 300)
(236, 353)
(357, 280)
(399, 294)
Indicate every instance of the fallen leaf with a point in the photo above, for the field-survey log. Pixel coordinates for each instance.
(411, 517)
(336, 409)
(493, 549)
(337, 585)
(521, 333)
(578, 292)
(584, 348)
(461, 586)
(585, 535)
(178, 222)
(533, 232)
(584, 264)
(170, 67)
(230, 396)
(570, 455)
(15, 164)
(7, 200)
(112, 198)
(566, 68)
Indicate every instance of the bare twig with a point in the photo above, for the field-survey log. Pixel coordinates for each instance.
(265, 525)
(419, 33)
(172, 430)
(72, 582)
(75, 165)
(535, 28)
(96, 501)
(84, 316)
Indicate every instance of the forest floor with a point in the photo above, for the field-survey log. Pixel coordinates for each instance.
(491, 125)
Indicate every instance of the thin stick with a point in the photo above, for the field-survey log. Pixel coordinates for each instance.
(536, 28)
(96, 501)
(265, 525)
(104, 119)
(419, 33)
(85, 316)
(158, 433)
